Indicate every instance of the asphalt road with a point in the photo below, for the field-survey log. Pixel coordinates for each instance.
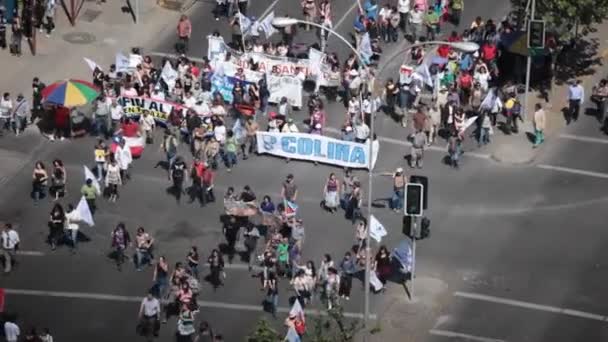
(515, 244)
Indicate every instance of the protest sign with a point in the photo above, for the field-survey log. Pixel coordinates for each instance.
(314, 147)
(285, 86)
(134, 106)
(217, 47)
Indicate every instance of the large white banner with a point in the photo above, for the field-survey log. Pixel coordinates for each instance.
(314, 147)
(285, 86)
(134, 106)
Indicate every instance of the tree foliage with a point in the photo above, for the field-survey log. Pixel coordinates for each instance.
(264, 332)
(569, 13)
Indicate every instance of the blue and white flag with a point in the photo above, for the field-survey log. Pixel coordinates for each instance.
(424, 74)
(365, 48)
(245, 24)
(266, 25)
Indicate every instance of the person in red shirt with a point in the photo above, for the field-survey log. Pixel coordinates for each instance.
(184, 31)
(208, 178)
(195, 70)
(62, 122)
(129, 128)
(488, 52)
(197, 191)
(465, 83)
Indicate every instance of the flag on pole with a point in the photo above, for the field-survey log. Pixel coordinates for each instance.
(245, 23)
(376, 229)
(89, 175)
(84, 212)
(299, 327)
(365, 48)
(468, 123)
(291, 209)
(423, 72)
(266, 25)
(169, 75)
(91, 63)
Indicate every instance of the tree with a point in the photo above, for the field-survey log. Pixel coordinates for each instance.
(565, 15)
(264, 333)
(333, 327)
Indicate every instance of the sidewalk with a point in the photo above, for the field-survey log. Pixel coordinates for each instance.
(517, 148)
(100, 32)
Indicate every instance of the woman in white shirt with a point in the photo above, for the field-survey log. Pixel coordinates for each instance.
(6, 108)
(72, 217)
(113, 179)
(482, 76)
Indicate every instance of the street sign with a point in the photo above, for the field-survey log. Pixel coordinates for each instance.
(536, 34)
(414, 199)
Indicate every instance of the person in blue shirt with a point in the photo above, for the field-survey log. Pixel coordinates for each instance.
(267, 206)
(576, 97)
(466, 62)
(371, 9)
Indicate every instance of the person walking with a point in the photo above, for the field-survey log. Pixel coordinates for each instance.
(454, 148)
(58, 180)
(348, 268)
(143, 248)
(90, 193)
(6, 110)
(49, 14)
(149, 317)
(193, 260)
(160, 278)
(289, 191)
(123, 156)
(251, 236)
(57, 222)
(216, 265)
(331, 191)
(11, 329)
(39, 182)
(113, 179)
(178, 175)
(20, 113)
(576, 98)
(120, 241)
(184, 31)
(271, 285)
(539, 125)
(169, 147)
(101, 154)
(72, 218)
(9, 239)
(419, 143)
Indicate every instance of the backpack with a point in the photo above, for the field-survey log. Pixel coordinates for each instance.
(178, 171)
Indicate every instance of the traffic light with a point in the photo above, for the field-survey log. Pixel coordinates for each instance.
(425, 228)
(425, 185)
(407, 226)
(414, 195)
(536, 34)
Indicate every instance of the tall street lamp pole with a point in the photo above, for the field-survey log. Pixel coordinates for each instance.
(282, 22)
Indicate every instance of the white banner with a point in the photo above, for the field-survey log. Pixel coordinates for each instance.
(285, 86)
(314, 147)
(121, 62)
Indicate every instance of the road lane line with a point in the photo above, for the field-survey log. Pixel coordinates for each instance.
(447, 333)
(408, 144)
(532, 306)
(583, 138)
(136, 299)
(268, 9)
(573, 171)
(30, 253)
(355, 5)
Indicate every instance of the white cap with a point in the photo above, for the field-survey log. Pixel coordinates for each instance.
(348, 128)
(399, 170)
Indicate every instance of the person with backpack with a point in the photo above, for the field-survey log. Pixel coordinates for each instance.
(177, 174)
(512, 112)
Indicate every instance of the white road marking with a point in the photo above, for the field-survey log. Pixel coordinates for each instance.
(408, 144)
(270, 8)
(584, 138)
(30, 253)
(355, 5)
(573, 171)
(532, 306)
(136, 299)
(447, 333)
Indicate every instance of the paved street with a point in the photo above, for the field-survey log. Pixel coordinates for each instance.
(516, 251)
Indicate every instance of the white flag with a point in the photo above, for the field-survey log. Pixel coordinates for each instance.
(169, 75)
(423, 72)
(89, 175)
(468, 123)
(266, 25)
(376, 229)
(84, 212)
(121, 62)
(365, 48)
(245, 24)
(91, 63)
(297, 311)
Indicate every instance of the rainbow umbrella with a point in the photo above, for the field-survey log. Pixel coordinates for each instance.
(70, 93)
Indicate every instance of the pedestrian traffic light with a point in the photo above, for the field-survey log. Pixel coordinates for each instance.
(536, 34)
(414, 194)
(425, 228)
(425, 185)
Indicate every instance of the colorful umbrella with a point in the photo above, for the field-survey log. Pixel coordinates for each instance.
(70, 93)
